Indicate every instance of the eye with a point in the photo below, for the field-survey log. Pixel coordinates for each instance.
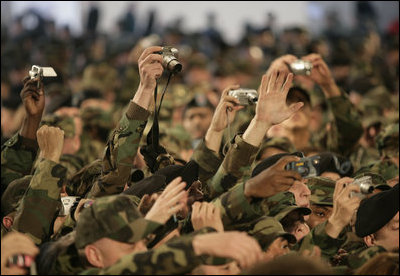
(321, 214)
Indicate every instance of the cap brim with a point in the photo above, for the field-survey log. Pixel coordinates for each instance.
(289, 237)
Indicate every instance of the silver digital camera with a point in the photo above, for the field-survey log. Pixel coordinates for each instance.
(170, 59)
(40, 72)
(365, 184)
(245, 96)
(301, 67)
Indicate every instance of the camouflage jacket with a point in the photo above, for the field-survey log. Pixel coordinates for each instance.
(120, 152)
(360, 256)
(346, 128)
(17, 157)
(362, 156)
(41, 203)
(237, 160)
(72, 163)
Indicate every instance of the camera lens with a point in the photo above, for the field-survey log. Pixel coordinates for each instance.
(174, 66)
(366, 188)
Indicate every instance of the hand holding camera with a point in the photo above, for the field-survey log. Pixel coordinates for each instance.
(306, 166)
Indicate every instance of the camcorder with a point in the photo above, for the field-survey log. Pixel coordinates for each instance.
(301, 67)
(245, 96)
(306, 166)
(38, 72)
(366, 186)
(170, 59)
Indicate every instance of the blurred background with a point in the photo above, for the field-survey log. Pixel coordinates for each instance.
(94, 47)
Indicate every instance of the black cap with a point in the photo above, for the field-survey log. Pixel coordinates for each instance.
(376, 211)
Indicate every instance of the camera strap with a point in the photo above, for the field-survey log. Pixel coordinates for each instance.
(226, 145)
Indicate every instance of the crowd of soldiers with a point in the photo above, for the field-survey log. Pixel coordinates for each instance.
(102, 174)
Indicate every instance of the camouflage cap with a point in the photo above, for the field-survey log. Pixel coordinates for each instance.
(65, 123)
(282, 143)
(13, 193)
(115, 217)
(267, 229)
(387, 141)
(174, 140)
(385, 168)
(322, 189)
(278, 202)
(288, 209)
(92, 116)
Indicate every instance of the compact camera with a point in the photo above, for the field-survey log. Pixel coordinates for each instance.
(245, 96)
(365, 184)
(40, 72)
(170, 59)
(306, 166)
(301, 67)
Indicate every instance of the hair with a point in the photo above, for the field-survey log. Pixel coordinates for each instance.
(298, 94)
(385, 263)
(290, 264)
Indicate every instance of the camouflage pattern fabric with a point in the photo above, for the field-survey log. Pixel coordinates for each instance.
(239, 156)
(65, 123)
(120, 153)
(208, 160)
(387, 141)
(360, 256)
(322, 189)
(83, 180)
(17, 157)
(41, 203)
(115, 217)
(385, 168)
(282, 143)
(72, 163)
(362, 156)
(12, 195)
(91, 149)
(346, 128)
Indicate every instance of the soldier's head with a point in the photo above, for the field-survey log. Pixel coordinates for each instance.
(111, 228)
(292, 219)
(271, 236)
(275, 145)
(321, 199)
(197, 116)
(334, 166)
(378, 220)
(388, 143)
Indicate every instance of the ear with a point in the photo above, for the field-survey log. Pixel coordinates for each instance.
(94, 256)
(369, 240)
(8, 222)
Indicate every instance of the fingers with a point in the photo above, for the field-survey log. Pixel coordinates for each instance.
(294, 107)
(172, 185)
(287, 84)
(149, 51)
(283, 161)
(229, 88)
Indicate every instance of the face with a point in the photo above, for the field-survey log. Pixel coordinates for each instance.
(111, 251)
(278, 247)
(197, 120)
(226, 269)
(301, 230)
(270, 151)
(301, 193)
(318, 215)
(388, 236)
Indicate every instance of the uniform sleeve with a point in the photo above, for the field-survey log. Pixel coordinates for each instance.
(120, 152)
(41, 203)
(17, 157)
(347, 128)
(236, 208)
(237, 160)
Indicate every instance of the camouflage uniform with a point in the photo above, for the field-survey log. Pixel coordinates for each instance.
(41, 203)
(322, 190)
(360, 256)
(120, 152)
(17, 157)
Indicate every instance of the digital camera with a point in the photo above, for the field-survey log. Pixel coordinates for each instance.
(170, 59)
(245, 96)
(306, 166)
(365, 184)
(301, 67)
(40, 72)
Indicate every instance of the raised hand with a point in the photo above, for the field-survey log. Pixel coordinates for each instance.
(271, 107)
(172, 199)
(205, 214)
(32, 97)
(51, 142)
(150, 67)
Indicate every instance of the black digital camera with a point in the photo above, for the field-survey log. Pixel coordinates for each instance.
(306, 166)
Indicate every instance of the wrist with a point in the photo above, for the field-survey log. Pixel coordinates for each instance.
(334, 226)
(330, 89)
(198, 245)
(51, 156)
(143, 96)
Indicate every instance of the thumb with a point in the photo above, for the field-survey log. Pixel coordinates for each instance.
(296, 107)
(285, 160)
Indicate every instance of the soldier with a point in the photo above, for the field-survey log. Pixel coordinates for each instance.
(19, 152)
(377, 223)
